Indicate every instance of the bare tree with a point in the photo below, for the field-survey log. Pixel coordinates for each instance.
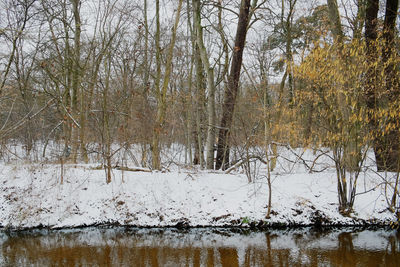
(18, 16)
(210, 84)
(231, 90)
(162, 105)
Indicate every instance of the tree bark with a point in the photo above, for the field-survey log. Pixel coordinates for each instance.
(76, 77)
(389, 156)
(334, 19)
(288, 47)
(189, 105)
(200, 100)
(106, 151)
(146, 84)
(210, 85)
(386, 144)
(232, 87)
(359, 22)
(162, 104)
(371, 20)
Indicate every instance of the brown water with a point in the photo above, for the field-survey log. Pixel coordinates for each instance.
(200, 247)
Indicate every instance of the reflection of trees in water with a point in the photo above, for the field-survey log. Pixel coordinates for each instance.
(119, 248)
(393, 247)
(339, 250)
(228, 257)
(210, 257)
(345, 251)
(274, 256)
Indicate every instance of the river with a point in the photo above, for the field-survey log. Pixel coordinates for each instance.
(118, 246)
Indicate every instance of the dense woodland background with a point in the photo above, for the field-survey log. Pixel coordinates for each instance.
(230, 81)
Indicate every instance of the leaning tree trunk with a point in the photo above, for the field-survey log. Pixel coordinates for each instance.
(232, 87)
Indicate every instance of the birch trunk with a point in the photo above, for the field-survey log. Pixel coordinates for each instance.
(210, 85)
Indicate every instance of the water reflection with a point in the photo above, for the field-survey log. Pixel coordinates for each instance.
(200, 247)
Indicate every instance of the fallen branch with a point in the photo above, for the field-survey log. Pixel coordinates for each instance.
(137, 169)
(240, 162)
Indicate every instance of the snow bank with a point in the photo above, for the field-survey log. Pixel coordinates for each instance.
(32, 196)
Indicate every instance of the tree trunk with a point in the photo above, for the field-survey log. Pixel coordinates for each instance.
(189, 106)
(288, 49)
(386, 144)
(76, 79)
(232, 87)
(162, 104)
(146, 84)
(83, 106)
(198, 136)
(156, 162)
(371, 20)
(334, 19)
(359, 23)
(391, 138)
(106, 125)
(267, 138)
(371, 34)
(210, 85)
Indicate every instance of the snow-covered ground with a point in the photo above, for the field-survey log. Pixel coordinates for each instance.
(31, 195)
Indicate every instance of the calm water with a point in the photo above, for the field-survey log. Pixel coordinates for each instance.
(200, 247)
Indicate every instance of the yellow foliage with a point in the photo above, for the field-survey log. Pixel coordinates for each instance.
(333, 82)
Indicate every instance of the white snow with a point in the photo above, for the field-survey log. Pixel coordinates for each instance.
(32, 195)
